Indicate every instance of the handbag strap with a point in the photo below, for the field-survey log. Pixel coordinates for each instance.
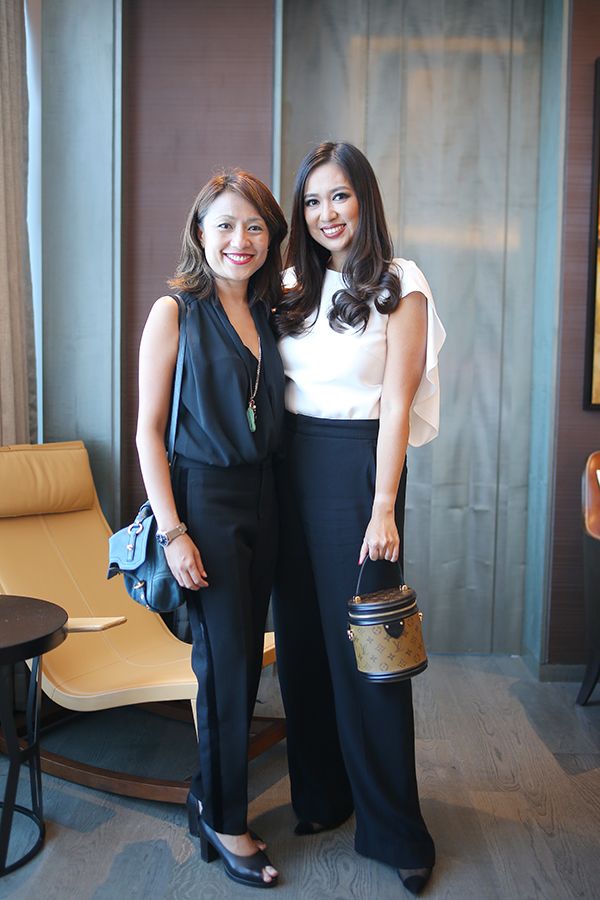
(178, 377)
(362, 568)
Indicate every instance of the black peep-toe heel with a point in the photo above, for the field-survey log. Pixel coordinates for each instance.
(207, 851)
(243, 869)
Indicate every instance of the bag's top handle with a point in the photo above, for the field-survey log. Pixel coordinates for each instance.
(362, 568)
(177, 378)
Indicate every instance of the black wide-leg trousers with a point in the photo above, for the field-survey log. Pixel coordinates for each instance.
(350, 741)
(231, 516)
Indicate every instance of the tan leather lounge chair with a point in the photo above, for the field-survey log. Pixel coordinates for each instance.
(54, 546)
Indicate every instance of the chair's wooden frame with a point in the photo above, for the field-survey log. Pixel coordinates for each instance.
(53, 545)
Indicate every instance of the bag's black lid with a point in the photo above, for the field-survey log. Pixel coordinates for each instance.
(385, 602)
(402, 594)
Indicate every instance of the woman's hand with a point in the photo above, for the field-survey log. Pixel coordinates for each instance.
(186, 563)
(381, 540)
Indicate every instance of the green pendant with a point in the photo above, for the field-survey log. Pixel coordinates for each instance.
(251, 419)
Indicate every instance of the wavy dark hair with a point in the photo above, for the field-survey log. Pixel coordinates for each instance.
(366, 272)
(193, 274)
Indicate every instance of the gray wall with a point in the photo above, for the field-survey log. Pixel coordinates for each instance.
(444, 98)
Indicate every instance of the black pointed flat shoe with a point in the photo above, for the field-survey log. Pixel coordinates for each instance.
(414, 880)
(304, 827)
(243, 869)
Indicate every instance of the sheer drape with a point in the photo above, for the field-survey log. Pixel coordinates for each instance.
(17, 365)
(444, 99)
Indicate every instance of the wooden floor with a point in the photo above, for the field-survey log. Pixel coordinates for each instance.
(510, 786)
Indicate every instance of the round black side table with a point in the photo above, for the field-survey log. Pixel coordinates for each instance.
(28, 628)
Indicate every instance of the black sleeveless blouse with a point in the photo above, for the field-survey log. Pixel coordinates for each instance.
(218, 376)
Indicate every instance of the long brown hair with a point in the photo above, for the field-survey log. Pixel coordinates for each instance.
(193, 274)
(366, 272)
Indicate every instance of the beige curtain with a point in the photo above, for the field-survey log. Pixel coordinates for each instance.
(17, 359)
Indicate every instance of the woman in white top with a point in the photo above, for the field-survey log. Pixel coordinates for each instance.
(359, 337)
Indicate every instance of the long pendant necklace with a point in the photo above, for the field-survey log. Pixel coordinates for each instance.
(251, 411)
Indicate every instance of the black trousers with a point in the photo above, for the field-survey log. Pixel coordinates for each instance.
(350, 742)
(231, 516)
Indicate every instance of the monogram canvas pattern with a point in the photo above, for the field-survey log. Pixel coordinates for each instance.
(378, 653)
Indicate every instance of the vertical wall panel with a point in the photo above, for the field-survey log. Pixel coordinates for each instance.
(80, 55)
(544, 347)
(197, 97)
(522, 143)
(578, 430)
(324, 78)
(444, 99)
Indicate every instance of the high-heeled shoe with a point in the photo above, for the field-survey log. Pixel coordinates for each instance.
(414, 880)
(243, 869)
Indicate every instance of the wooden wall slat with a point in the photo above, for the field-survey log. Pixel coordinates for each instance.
(198, 79)
(578, 430)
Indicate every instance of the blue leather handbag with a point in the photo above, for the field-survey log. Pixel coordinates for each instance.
(134, 551)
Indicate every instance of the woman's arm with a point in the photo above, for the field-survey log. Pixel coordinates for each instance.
(405, 361)
(158, 354)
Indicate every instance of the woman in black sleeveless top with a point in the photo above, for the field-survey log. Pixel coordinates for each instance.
(216, 510)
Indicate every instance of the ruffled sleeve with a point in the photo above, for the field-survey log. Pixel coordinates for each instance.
(424, 416)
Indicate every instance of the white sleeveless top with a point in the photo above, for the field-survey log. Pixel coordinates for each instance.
(339, 375)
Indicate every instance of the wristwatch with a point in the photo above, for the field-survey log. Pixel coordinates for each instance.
(164, 538)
